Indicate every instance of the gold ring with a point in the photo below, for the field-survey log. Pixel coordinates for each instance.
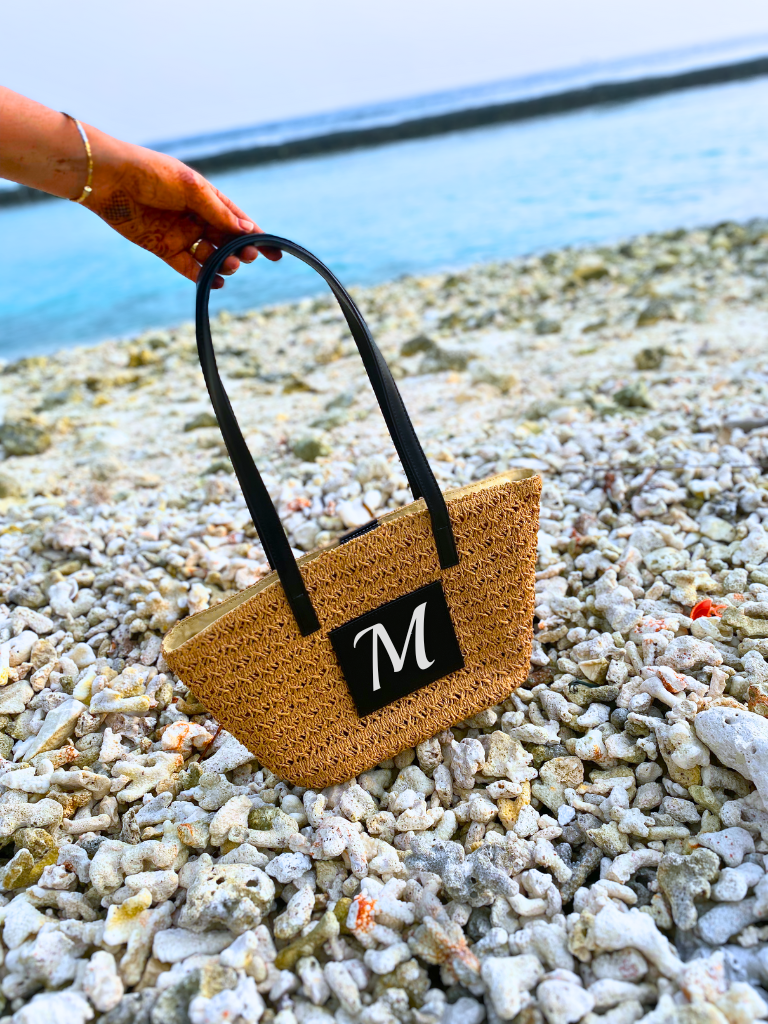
(193, 248)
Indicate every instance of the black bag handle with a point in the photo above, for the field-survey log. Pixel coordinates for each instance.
(263, 513)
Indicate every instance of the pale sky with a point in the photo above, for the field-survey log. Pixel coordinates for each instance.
(160, 69)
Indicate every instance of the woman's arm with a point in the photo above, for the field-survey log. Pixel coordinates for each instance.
(151, 199)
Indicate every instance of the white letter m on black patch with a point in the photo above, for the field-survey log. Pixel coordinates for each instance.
(398, 660)
(413, 643)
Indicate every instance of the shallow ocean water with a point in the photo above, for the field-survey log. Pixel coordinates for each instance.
(603, 173)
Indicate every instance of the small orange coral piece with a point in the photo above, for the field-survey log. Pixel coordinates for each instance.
(706, 609)
(295, 504)
(654, 625)
(364, 919)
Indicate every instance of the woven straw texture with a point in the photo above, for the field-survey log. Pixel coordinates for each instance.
(284, 696)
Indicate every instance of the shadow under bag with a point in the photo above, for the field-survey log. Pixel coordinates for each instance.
(416, 621)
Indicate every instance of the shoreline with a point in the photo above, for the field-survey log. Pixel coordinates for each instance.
(593, 841)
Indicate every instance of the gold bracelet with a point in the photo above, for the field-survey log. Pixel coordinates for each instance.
(88, 189)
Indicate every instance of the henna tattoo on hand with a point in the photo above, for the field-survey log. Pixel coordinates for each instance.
(150, 202)
(117, 209)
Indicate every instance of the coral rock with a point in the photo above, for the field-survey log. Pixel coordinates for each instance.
(509, 980)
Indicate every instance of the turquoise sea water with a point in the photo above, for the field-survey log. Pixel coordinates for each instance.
(603, 173)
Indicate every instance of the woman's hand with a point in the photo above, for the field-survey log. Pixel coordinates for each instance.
(164, 206)
(151, 199)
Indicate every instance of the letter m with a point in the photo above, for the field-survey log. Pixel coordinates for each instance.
(416, 628)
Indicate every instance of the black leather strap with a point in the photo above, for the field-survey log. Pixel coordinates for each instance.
(265, 518)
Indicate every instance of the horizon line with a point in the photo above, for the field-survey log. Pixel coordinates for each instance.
(460, 119)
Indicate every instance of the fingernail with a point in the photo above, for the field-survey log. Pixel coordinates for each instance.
(247, 225)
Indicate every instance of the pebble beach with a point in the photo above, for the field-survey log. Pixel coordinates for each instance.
(592, 850)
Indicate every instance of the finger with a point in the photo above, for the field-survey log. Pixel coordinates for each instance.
(247, 225)
(230, 266)
(220, 237)
(209, 204)
(248, 254)
(240, 214)
(185, 264)
(204, 249)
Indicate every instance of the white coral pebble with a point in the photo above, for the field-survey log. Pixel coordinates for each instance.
(229, 754)
(101, 982)
(624, 965)
(175, 944)
(55, 1008)
(356, 804)
(686, 652)
(296, 914)
(732, 844)
(20, 921)
(384, 961)
(128, 917)
(508, 981)
(288, 866)
(313, 979)
(234, 812)
(742, 1004)
(342, 984)
(615, 930)
(112, 748)
(57, 727)
(616, 602)
(626, 864)
(733, 883)
(562, 997)
(464, 1011)
(184, 736)
(29, 780)
(608, 992)
(242, 1003)
(739, 738)
(161, 884)
(468, 758)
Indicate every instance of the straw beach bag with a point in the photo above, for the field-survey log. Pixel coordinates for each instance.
(413, 622)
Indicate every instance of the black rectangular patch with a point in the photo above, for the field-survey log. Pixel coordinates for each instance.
(398, 648)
